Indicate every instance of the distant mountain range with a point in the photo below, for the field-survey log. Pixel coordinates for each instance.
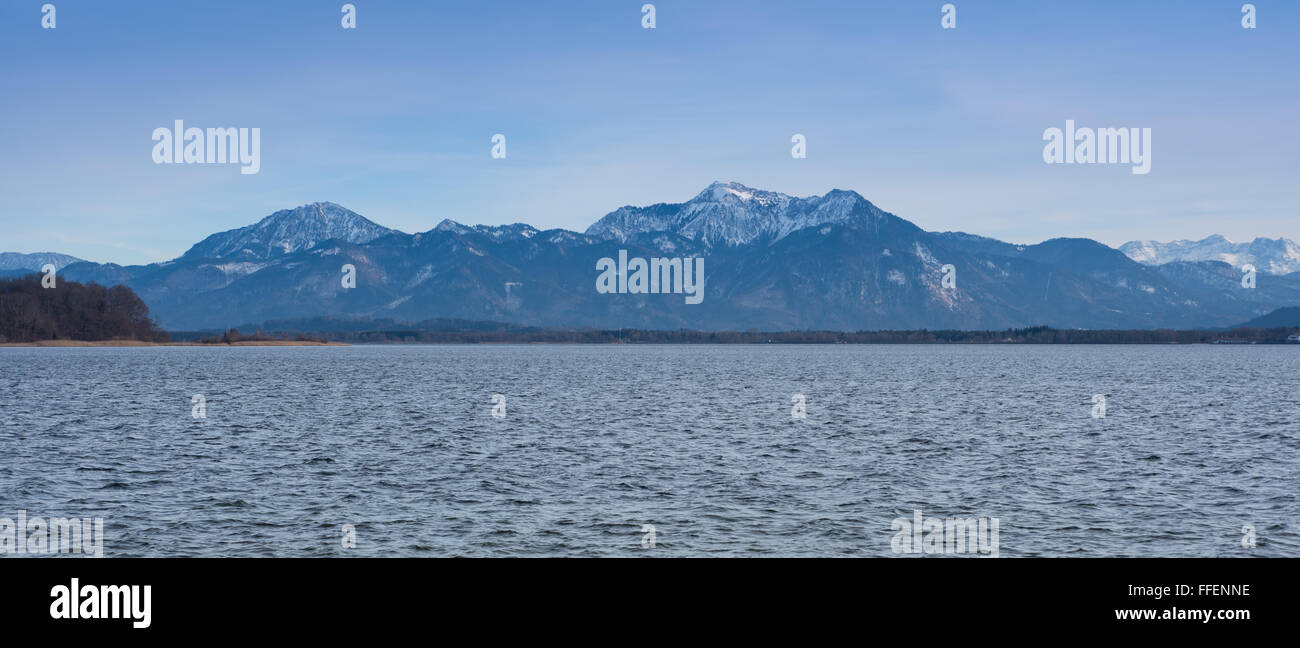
(11, 262)
(1288, 317)
(772, 262)
(1274, 256)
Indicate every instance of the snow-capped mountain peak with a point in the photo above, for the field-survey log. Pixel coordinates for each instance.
(1273, 256)
(730, 213)
(734, 191)
(500, 232)
(290, 230)
(10, 261)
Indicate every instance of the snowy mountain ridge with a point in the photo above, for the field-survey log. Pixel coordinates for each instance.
(34, 261)
(731, 214)
(288, 231)
(1273, 256)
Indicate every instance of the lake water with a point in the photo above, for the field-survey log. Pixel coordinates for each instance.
(596, 441)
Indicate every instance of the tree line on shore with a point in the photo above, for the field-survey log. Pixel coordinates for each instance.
(233, 336)
(30, 312)
(1031, 335)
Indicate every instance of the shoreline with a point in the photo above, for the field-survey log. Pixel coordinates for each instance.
(138, 343)
(296, 343)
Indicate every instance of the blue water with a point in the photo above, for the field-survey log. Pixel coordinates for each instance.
(698, 441)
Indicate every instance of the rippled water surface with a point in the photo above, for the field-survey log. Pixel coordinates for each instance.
(698, 441)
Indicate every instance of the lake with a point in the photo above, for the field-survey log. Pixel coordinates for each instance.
(591, 443)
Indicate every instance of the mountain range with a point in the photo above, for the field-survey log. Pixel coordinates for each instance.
(772, 262)
(1274, 256)
(11, 262)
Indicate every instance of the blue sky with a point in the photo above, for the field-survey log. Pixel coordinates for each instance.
(394, 119)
